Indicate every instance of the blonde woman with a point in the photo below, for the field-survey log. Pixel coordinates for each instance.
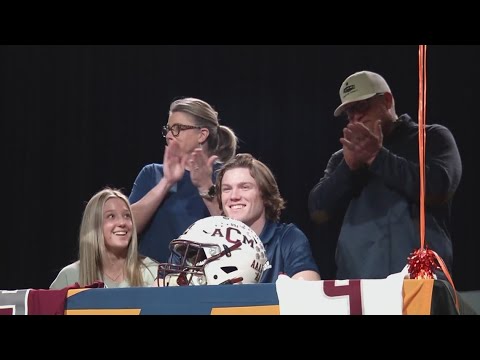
(108, 247)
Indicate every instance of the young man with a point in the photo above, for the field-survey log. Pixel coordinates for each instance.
(247, 191)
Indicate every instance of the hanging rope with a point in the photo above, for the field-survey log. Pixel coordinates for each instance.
(422, 106)
(423, 261)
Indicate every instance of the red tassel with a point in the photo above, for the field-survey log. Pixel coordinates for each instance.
(422, 263)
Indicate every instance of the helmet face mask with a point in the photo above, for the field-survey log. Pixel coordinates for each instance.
(213, 251)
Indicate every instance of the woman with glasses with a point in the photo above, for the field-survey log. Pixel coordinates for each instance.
(166, 198)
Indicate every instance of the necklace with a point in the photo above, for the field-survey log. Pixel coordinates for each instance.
(113, 278)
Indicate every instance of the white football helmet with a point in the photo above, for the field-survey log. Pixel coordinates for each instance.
(213, 251)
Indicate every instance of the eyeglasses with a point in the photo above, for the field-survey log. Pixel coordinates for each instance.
(176, 128)
(360, 107)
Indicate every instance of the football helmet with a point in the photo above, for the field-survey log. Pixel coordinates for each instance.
(213, 251)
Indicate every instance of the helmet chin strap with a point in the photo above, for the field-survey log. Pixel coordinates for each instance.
(233, 247)
(226, 250)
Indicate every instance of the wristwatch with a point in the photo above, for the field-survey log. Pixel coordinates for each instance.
(210, 193)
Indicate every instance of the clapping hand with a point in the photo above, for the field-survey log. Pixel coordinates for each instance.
(361, 144)
(173, 162)
(201, 168)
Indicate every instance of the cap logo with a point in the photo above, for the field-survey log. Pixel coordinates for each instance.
(348, 88)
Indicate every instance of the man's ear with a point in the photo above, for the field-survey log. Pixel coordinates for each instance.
(388, 100)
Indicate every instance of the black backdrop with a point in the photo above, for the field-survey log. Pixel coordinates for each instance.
(77, 118)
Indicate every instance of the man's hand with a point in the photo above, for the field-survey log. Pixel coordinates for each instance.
(360, 144)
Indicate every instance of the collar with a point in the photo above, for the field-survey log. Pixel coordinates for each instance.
(268, 231)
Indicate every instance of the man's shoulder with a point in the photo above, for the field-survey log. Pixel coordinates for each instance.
(283, 229)
(437, 127)
(407, 120)
(288, 236)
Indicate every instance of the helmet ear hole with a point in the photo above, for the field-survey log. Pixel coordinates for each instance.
(229, 269)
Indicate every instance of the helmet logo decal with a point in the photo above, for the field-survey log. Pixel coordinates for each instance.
(232, 235)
